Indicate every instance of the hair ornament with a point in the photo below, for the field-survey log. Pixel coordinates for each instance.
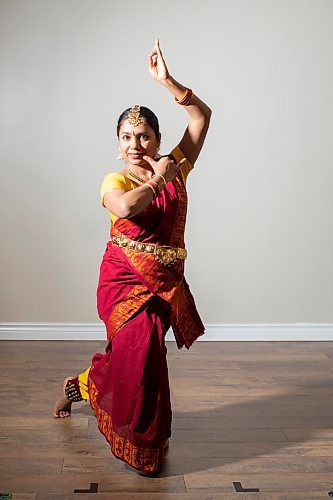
(134, 115)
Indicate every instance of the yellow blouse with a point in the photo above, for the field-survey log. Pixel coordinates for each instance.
(116, 180)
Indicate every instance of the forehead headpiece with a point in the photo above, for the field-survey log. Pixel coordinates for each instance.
(134, 115)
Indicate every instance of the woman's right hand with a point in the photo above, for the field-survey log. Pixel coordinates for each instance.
(165, 166)
(157, 65)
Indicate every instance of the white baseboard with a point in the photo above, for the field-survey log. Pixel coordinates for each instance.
(224, 332)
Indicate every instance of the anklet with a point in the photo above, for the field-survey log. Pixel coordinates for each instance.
(72, 390)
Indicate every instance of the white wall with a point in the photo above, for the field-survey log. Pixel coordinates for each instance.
(259, 230)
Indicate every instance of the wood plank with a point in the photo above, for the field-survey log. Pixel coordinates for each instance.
(260, 377)
(256, 356)
(64, 434)
(110, 482)
(228, 435)
(252, 422)
(36, 422)
(11, 466)
(291, 464)
(175, 465)
(218, 392)
(274, 408)
(137, 496)
(85, 447)
(278, 482)
(250, 449)
(303, 434)
(23, 496)
(290, 495)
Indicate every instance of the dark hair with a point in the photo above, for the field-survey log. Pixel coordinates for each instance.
(147, 114)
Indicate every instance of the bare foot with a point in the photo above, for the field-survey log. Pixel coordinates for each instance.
(63, 406)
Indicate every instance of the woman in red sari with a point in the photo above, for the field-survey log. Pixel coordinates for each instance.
(142, 290)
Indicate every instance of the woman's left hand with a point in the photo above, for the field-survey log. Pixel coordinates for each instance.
(164, 166)
(157, 66)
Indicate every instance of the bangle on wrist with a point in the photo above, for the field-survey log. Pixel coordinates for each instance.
(160, 175)
(155, 185)
(154, 190)
(185, 99)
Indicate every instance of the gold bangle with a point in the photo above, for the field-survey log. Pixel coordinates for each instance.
(178, 100)
(155, 185)
(162, 178)
(153, 190)
(186, 98)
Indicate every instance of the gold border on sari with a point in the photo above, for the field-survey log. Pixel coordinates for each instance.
(142, 459)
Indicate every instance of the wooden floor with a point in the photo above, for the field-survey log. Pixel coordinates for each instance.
(245, 415)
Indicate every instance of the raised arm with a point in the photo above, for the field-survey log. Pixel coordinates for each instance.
(195, 133)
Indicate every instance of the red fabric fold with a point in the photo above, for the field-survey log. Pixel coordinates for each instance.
(129, 389)
(138, 298)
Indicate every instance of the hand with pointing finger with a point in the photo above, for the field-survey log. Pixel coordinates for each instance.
(165, 166)
(157, 65)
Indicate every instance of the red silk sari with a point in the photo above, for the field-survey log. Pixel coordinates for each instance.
(138, 298)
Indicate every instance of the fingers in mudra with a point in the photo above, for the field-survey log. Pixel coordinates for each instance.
(153, 59)
(165, 166)
(157, 65)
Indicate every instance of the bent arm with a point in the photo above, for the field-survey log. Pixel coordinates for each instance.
(196, 131)
(126, 204)
(200, 113)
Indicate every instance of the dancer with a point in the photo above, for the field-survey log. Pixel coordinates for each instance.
(142, 290)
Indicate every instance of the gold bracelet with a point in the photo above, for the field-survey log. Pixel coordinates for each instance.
(162, 178)
(153, 190)
(178, 100)
(186, 98)
(151, 182)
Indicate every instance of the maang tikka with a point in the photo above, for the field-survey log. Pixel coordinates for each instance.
(134, 119)
(134, 115)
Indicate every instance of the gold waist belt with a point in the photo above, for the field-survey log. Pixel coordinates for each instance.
(164, 254)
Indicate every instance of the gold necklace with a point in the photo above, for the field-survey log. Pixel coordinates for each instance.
(135, 176)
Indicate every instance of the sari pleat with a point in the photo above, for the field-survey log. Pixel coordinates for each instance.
(129, 389)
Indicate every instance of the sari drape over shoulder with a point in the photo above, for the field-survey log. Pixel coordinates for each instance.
(138, 298)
